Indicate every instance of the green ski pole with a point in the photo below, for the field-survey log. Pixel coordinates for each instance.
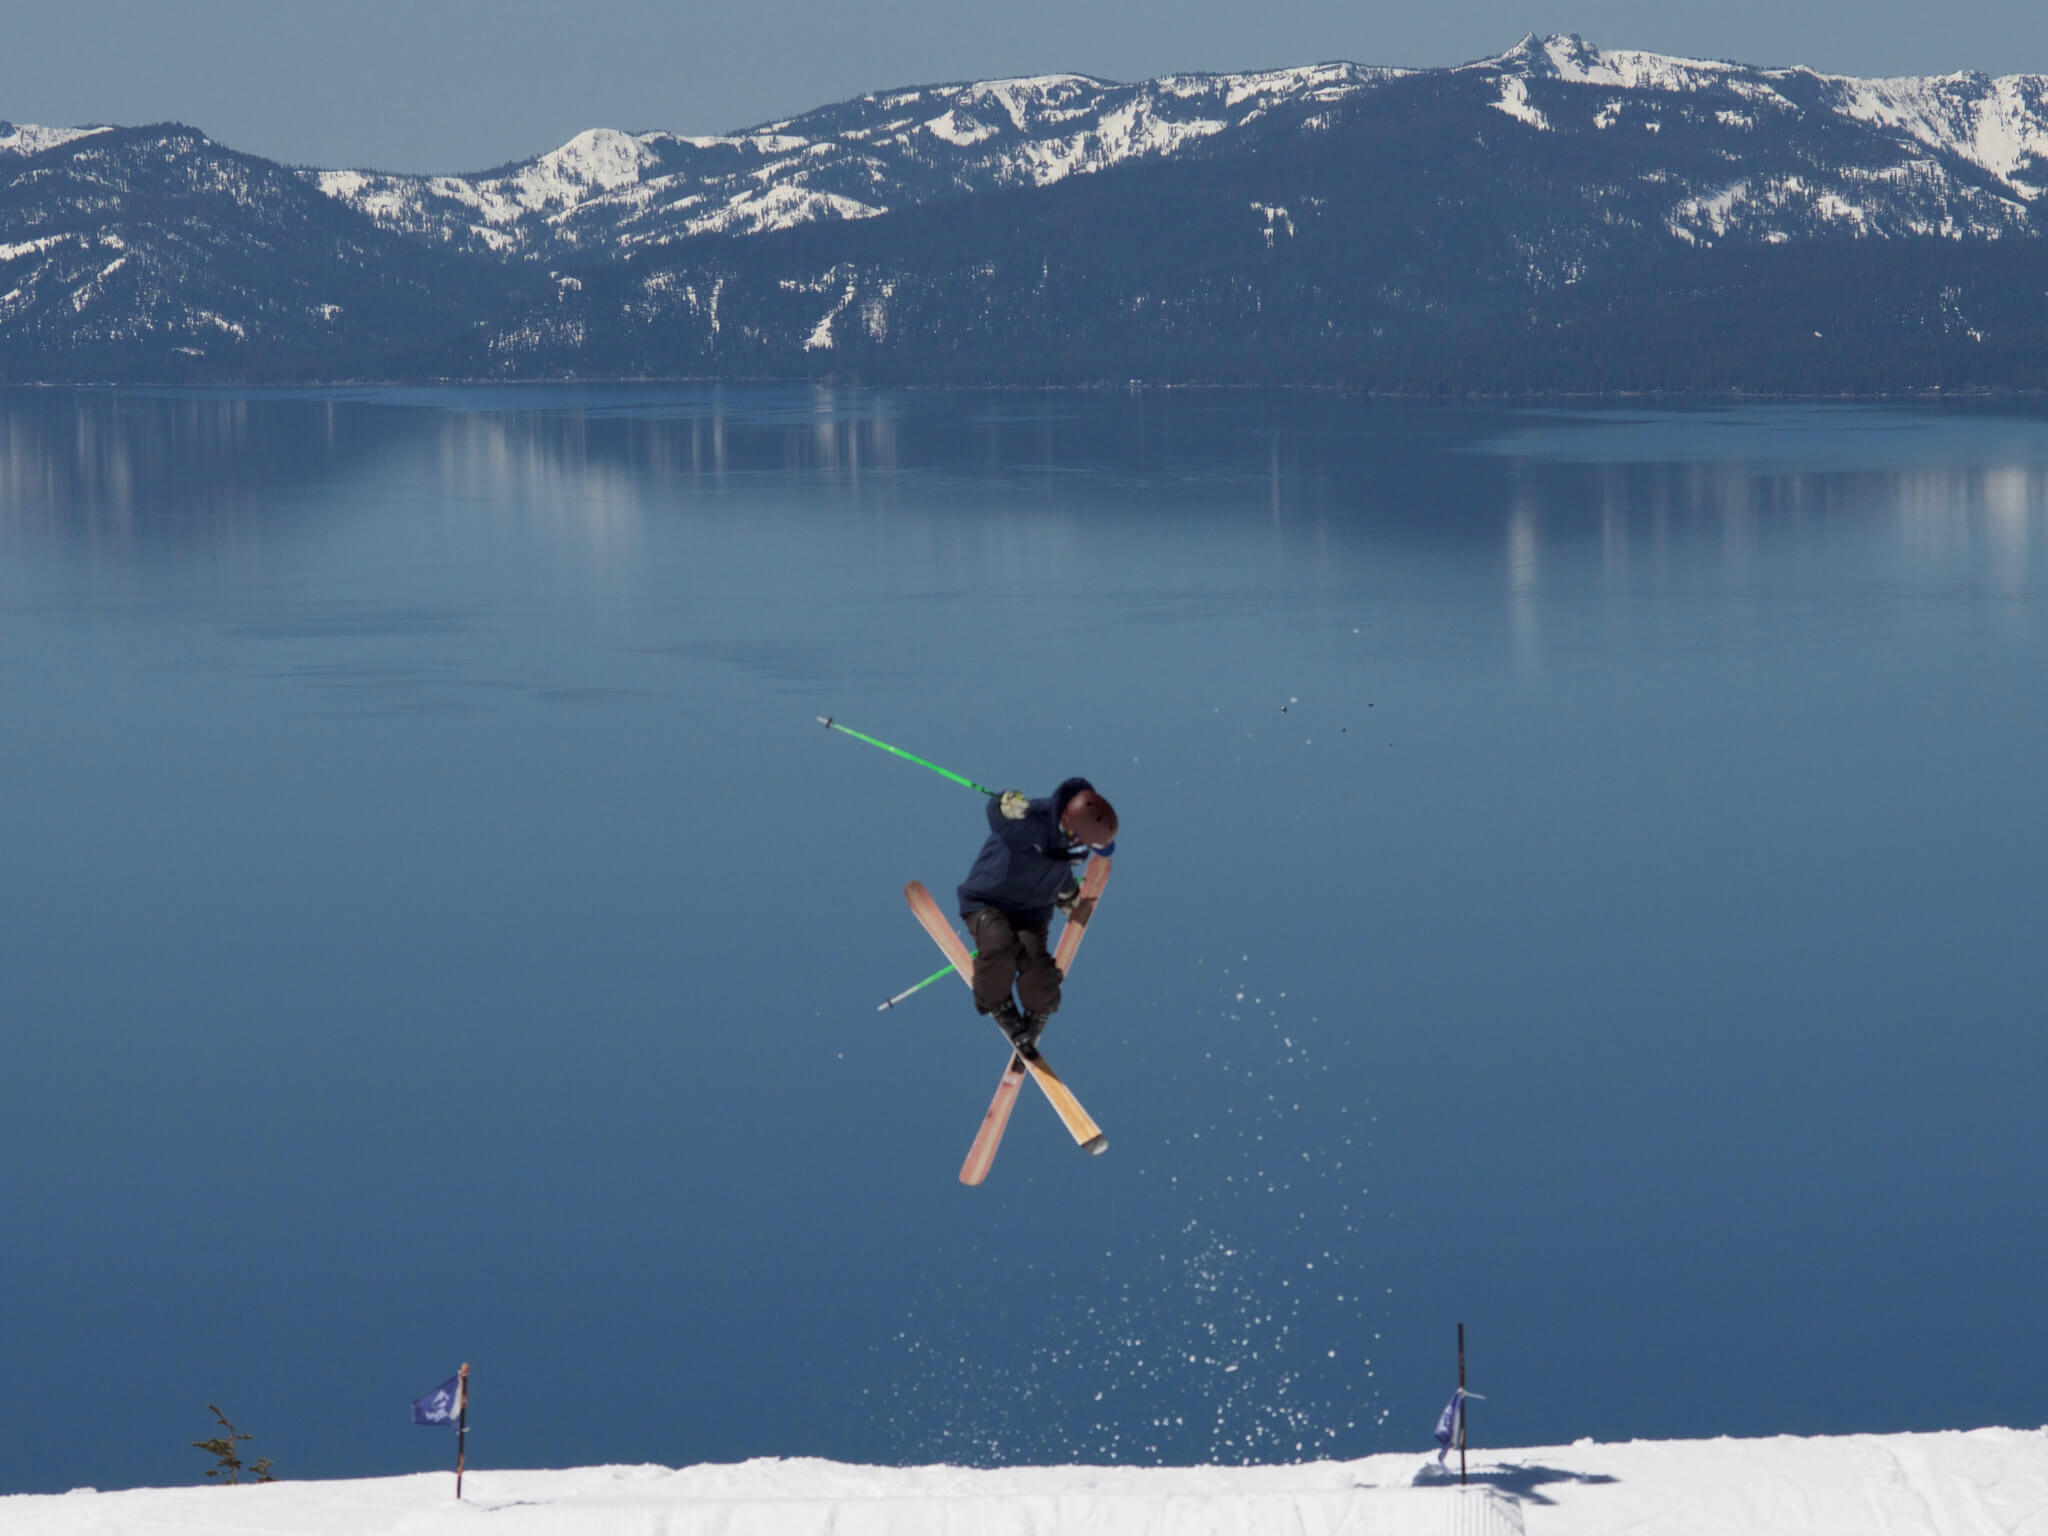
(945, 773)
(944, 970)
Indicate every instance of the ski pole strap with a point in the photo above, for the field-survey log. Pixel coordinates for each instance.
(945, 773)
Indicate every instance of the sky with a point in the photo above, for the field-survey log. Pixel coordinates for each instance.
(461, 85)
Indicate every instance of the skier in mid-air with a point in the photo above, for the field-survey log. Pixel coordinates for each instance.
(1024, 873)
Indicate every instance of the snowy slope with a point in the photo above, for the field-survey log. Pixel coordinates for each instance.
(1950, 1484)
(1952, 154)
(28, 139)
(606, 191)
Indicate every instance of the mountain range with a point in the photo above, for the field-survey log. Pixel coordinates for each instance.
(1556, 218)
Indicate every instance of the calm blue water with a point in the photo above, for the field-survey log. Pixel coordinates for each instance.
(1582, 877)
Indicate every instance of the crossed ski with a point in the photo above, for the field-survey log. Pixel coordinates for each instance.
(1087, 1134)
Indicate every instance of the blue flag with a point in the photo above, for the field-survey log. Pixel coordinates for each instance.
(443, 1405)
(1448, 1426)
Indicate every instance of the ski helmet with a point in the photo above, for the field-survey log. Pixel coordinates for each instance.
(1089, 819)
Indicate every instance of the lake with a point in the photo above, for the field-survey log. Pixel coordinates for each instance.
(1580, 877)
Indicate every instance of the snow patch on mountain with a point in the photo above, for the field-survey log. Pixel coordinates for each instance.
(1764, 206)
(821, 333)
(30, 139)
(20, 248)
(1313, 82)
(1130, 132)
(1514, 100)
(1581, 63)
(779, 207)
(1021, 100)
(746, 143)
(955, 129)
(2000, 125)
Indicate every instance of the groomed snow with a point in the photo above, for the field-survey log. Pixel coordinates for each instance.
(1948, 1484)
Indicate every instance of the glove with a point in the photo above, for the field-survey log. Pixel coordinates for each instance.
(1069, 901)
(1014, 805)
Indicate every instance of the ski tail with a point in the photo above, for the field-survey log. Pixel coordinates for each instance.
(1079, 1123)
(982, 1155)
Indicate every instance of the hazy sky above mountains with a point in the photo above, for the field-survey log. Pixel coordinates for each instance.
(454, 85)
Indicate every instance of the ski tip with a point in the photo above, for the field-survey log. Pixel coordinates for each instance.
(825, 721)
(1096, 1145)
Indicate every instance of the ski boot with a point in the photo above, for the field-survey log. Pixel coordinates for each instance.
(1026, 1039)
(1018, 1027)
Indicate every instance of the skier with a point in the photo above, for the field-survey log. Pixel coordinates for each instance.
(1023, 872)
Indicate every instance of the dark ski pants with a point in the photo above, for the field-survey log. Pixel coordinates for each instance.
(1008, 953)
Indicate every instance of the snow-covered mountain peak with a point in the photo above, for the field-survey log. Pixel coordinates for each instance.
(606, 192)
(1997, 125)
(1522, 56)
(1570, 58)
(597, 158)
(1027, 92)
(30, 139)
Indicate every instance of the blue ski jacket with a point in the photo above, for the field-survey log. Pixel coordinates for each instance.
(1022, 866)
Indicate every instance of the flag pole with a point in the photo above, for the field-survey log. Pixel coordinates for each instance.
(1463, 1398)
(462, 1427)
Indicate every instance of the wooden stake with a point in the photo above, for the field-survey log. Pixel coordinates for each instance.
(462, 1418)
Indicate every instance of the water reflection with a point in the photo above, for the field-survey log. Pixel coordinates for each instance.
(160, 471)
(100, 468)
(1620, 502)
(2012, 500)
(1522, 575)
(1791, 496)
(1933, 528)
